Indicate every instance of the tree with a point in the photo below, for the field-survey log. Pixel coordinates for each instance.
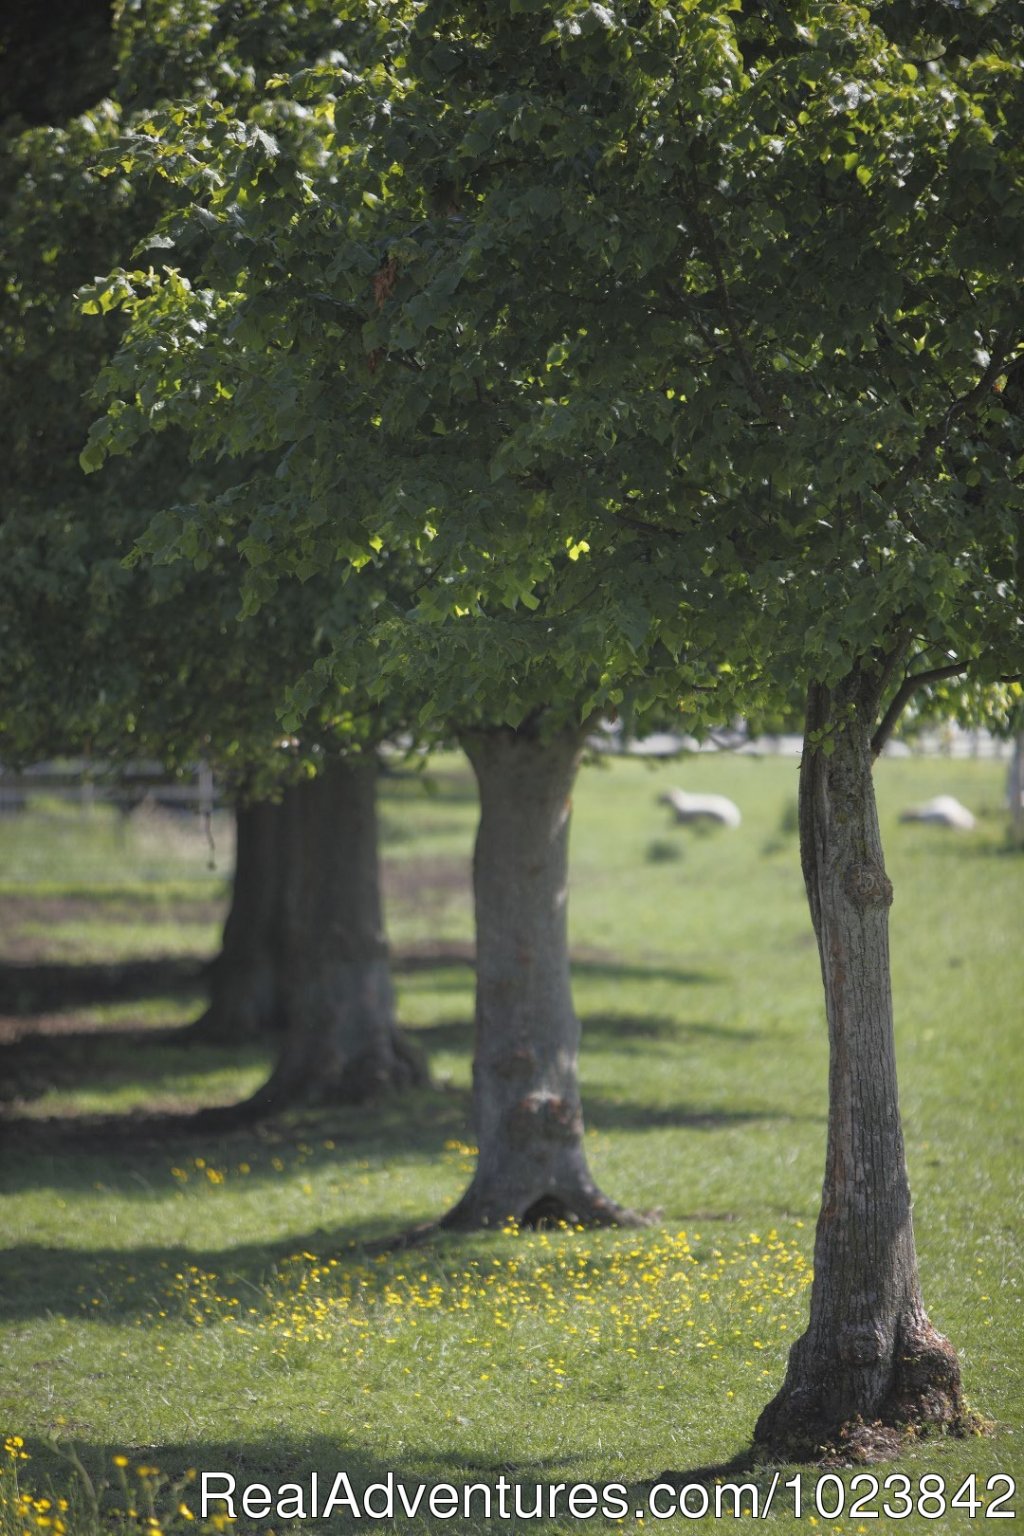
(154, 660)
(842, 381)
(894, 360)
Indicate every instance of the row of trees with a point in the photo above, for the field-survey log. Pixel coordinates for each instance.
(480, 370)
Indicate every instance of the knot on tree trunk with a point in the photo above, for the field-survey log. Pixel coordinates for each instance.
(520, 1062)
(545, 1117)
(861, 1345)
(867, 885)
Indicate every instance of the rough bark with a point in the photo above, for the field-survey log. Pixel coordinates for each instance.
(341, 1043)
(246, 977)
(870, 1363)
(526, 1100)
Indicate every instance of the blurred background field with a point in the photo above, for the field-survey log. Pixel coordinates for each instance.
(201, 1300)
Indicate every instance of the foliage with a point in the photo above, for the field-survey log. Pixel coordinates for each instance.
(133, 662)
(763, 426)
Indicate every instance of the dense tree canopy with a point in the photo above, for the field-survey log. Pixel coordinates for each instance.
(127, 661)
(466, 325)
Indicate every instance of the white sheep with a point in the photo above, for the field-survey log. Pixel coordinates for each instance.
(942, 811)
(701, 807)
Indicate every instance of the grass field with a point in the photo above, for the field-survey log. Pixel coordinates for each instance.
(178, 1300)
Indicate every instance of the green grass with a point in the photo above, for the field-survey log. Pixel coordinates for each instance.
(202, 1301)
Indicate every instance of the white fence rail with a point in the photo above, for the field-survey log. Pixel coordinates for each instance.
(129, 785)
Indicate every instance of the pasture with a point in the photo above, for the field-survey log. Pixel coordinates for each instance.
(175, 1299)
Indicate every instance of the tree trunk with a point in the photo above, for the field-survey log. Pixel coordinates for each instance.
(870, 1363)
(1015, 792)
(245, 981)
(528, 1119)
(341, 1042)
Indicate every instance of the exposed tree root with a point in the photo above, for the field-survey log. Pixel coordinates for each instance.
(362, 1079)
(858, 1444)
(924, 1394)
(216, 1027)
(578, 1207)
(546, 1211)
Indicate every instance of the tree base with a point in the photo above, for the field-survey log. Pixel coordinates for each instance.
(576, 1207)
(478, 1215)
(806, 1420)
(362, 1079)
(217, 1027)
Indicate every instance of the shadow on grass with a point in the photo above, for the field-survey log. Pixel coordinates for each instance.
(62, 1053)
(420, 958)
(624, 1032)
(611, 969)
(154, 1056)
(140, 1283)
(620, 1030)
(585, 963)
(132, 1155)
(53, 986)
(150, 1057)
(605, 1114)
(533, 1491)
(134, 1152)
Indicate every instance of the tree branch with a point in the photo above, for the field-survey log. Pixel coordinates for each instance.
(893, 662)
(406, 359)
(757, 390)
(643, 527)
(709, 242)
(685, 308)
(905, 692)
(937, 434)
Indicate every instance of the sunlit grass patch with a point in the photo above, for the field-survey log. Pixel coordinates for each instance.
(79, 939)
(208, 1300)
